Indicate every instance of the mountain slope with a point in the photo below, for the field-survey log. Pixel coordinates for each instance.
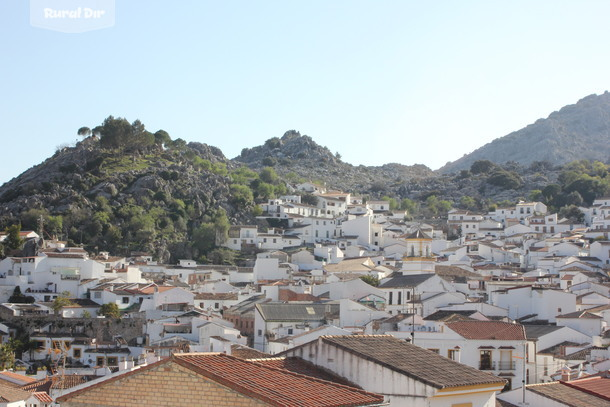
(579, 131)
(150, 199)
(296, 155)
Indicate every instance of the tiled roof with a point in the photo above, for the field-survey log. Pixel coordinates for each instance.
(42, 397)
(536, 331)
(16, 377)
(56, 382)
(443, 315)
(300, 366)
(296, 312)
(421, 364)
(489, 330)
(580, 314)
(408, 280)
(598, 385)
(216, 296)
(568, 395)
(245, 352)
(418, 234)
(9, 394)
(275, 386)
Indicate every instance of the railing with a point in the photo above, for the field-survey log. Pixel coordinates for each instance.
(506, 365)
(487, 365)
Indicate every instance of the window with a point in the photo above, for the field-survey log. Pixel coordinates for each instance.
(125, 300)
(390, 298)
(76, 353)
(485, 360)
(216, 305)
(260, 332)
(200, 305)
(113, 361)
(433, 350)
(99, 361)
(97, 294)
(399, 298)
(290, 330)
(453, 354)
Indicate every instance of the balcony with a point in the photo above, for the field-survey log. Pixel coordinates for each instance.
(506, 365)
(487, 365)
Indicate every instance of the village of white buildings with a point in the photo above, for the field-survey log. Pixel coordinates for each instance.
(515, 309)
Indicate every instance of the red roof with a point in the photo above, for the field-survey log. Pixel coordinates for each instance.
(488, 330)
(278, 387)
(597, 385)
(16, 378)
(43, 397)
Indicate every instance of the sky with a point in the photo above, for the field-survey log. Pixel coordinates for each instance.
(379, 81)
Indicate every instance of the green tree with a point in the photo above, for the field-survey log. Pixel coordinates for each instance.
(84, 132)
(241, 195)
(392, 202)
(482, 167)
(572, 213)
(268, 175)
(505, 179)
(264, 191)
(409, 205)
(7, 356)
(309, 199)
(222, 255)
(162, 138)
(370, 280)
(221, 226)
(13, 240)
(110, 310)
(19, 298)
(62, 300)
(535, 195)
(204, 238)
(468, 202)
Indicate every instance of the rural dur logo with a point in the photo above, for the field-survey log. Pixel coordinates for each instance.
(72, 16)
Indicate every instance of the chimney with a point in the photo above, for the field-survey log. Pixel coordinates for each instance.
(565, 374)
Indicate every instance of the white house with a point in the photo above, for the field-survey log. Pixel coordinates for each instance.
(407, 375)
(494, 346)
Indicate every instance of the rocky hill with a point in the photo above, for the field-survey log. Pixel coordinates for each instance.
(124, 189)
(295, 156)
(147, 198)
(579, 131)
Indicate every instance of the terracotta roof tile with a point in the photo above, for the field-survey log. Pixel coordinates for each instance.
(488, 330)
(423, 365)
(298, 365)
(9, 394)
(43, 397)
(598, 385)
(568, 395)
(16, 378)
(278, 387)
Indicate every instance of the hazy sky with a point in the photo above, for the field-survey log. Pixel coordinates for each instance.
(377, 81)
